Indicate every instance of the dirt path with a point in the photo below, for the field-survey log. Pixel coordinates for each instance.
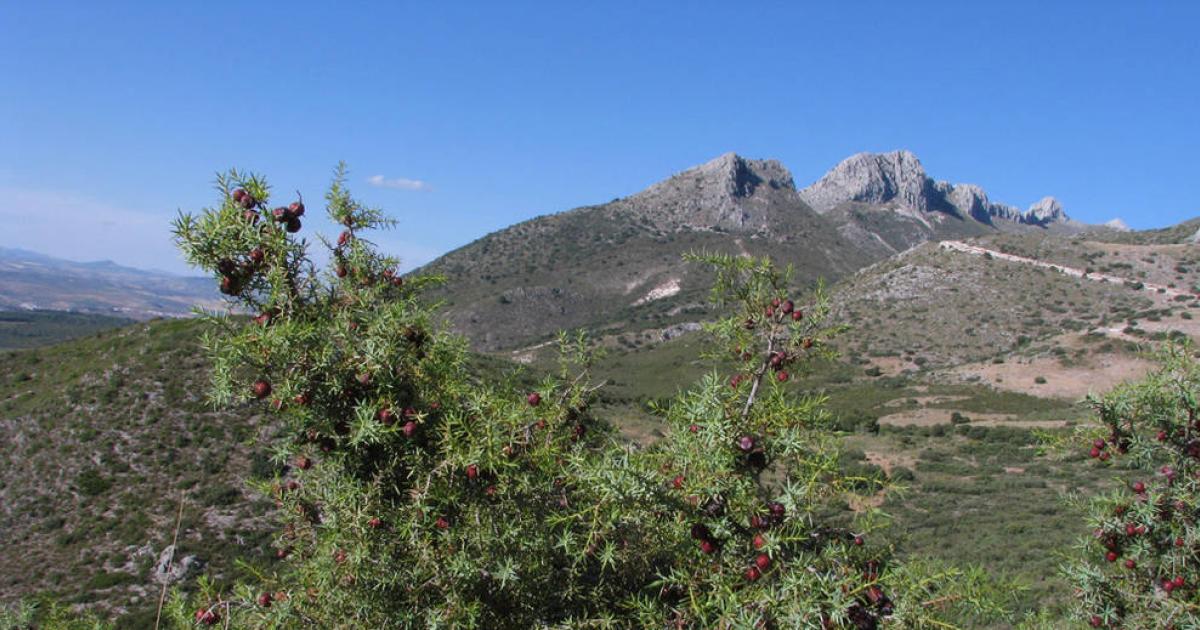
(976, 250)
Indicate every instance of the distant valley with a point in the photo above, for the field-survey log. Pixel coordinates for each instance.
(31, 281)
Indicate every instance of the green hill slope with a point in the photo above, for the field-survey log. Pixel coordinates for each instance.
(102, 436)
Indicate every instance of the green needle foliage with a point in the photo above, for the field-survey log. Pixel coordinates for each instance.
(1139, 568)
(415, 494)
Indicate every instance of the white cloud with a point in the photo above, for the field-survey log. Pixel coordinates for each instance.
(399, 183)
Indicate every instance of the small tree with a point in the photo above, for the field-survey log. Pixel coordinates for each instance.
(416, 494)
(1139, 567)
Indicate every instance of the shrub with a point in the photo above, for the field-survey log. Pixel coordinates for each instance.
(420, 495)
(90, 483)
(1138, 567)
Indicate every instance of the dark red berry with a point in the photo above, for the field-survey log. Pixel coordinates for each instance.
(296, 208)
(677, 482)
(375, 522)
(1094, 453)
(293, 226)
(1112, 556)
(752, 574)
(264, 600)
(782, 376)
(708, 546)
(695, 428)
(341, 271)
(1130, 564)
(207, 617)
(1096, 621)
(745, 443)
(238, 195)
(472, 472)
(442, 523)
(759, 542)
(788, 307)
(303, 463)
(797, 315)
(343, 238)
(762, 561)
(262, 389)
(1139, 487)
(386, 417)
(858, 541)
(534, 399)
(257, 255)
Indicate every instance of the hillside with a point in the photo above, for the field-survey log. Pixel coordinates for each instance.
(30, 281)
(102, 436)
(937, 387)
(615, 267)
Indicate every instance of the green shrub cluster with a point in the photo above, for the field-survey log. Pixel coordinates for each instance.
(413, 493)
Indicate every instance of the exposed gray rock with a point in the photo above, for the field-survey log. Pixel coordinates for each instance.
(168, 570)
(874, 178)
(1047, 210)
(1117, 224)
(730, 193)
(899, 178)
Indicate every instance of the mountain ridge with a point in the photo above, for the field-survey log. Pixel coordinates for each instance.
(899, 177)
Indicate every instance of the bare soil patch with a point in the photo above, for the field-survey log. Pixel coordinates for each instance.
(1072, 383)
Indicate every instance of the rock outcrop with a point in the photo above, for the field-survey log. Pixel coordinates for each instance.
(899, 179)
(874, 178)
(729, 193)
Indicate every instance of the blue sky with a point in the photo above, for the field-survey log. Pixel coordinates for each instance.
(114, 115)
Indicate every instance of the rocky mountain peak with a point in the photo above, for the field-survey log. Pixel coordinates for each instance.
(1047, 210)
(873, 178)
(898, 178)
(730, 192)
(734, 175)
